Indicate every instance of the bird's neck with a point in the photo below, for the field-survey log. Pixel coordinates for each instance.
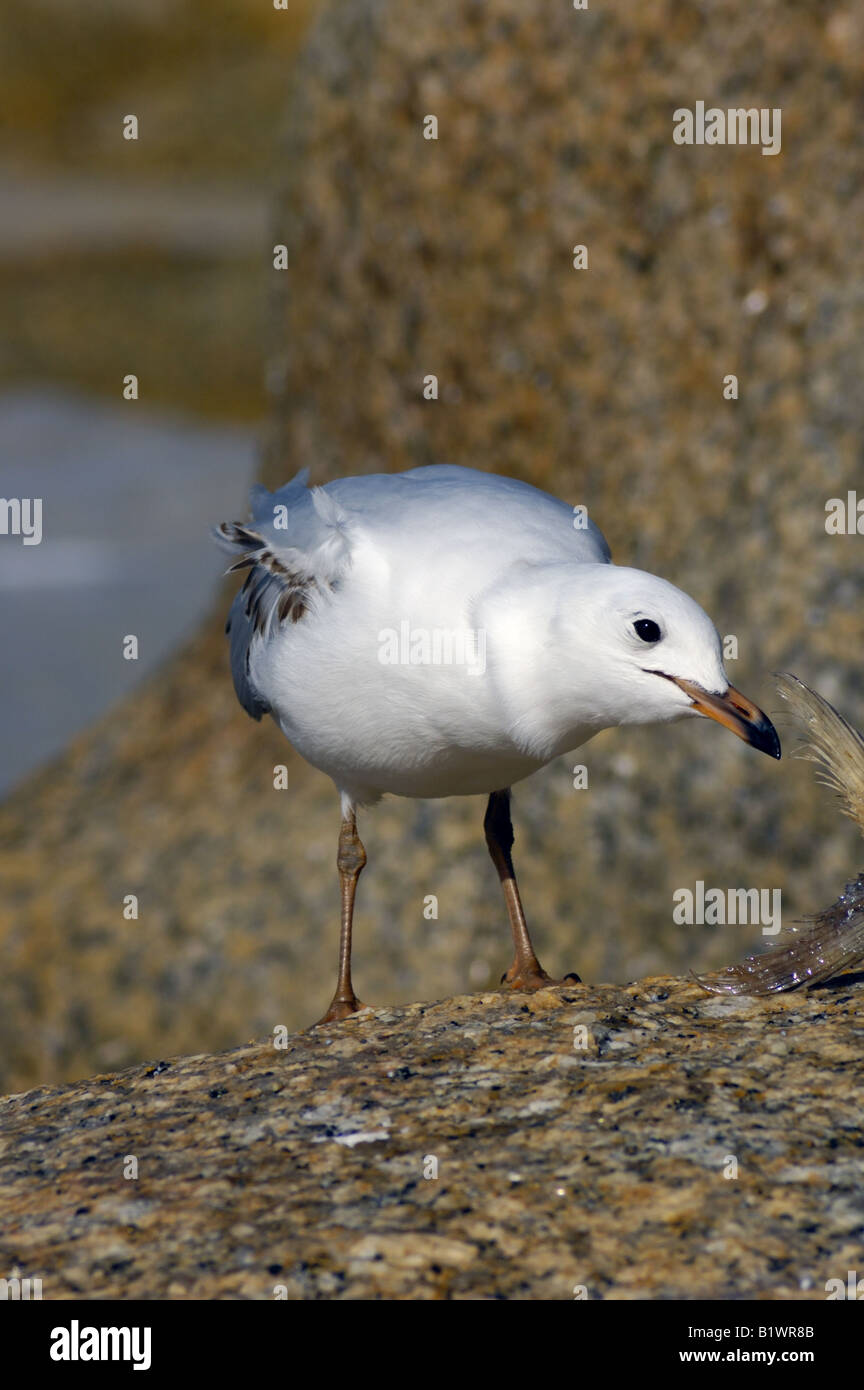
(544, 691)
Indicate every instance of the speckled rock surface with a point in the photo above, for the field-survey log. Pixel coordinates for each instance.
(408, 257)
(645, 1141)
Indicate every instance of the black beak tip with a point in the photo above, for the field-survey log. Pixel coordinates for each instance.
(764, 737)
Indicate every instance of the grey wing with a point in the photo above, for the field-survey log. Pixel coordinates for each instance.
(294, 548)
(483, 511)
(527, 509)
(240, 630)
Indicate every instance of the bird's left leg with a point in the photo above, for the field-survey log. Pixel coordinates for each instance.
(526, 972)
(350, 861)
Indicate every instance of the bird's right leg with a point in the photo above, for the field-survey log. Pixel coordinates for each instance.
(350, 860)
(526, 972)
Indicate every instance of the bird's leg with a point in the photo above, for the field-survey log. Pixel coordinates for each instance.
(350, 860)
(526, 972)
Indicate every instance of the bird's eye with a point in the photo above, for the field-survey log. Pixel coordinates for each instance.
(647, 629)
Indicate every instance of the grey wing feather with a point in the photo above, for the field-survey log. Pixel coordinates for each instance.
(294, 548)
(240, 632)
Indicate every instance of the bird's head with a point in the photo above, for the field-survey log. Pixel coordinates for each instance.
(645, 652)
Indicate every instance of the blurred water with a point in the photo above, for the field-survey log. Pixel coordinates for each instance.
(55, 212)
(128, 496)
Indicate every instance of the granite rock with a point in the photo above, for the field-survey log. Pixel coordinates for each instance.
(630, 1142)
(454, 257)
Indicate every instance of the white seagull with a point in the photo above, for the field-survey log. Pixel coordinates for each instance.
(447, 632)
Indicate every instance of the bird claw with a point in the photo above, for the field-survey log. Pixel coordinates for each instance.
(341, 1009)
(530, 979)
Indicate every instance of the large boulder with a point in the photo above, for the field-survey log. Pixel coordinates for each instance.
(599, 1143)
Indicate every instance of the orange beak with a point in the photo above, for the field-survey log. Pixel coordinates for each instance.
(734, 711)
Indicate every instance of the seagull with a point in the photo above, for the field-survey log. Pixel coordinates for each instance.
(448, 632)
